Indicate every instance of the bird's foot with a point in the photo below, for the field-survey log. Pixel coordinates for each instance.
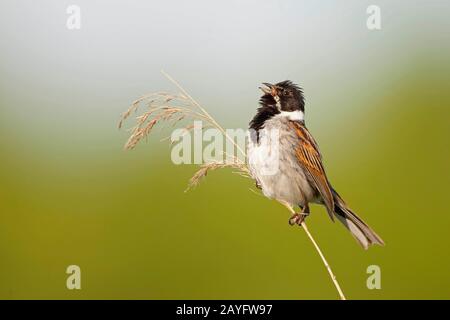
(297, 218)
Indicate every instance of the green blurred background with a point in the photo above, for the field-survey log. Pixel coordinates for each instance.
(377, 102)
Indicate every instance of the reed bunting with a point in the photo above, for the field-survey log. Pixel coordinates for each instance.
(286, 163)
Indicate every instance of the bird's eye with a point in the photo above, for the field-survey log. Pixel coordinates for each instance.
(285, 92)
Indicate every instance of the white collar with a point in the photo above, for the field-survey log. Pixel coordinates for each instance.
(292, 115)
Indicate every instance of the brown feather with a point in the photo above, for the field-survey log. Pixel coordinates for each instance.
(310, 158)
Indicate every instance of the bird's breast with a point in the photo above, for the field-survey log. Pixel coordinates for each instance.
(273, 163)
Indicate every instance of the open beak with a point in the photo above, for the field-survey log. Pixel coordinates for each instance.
(268, 88)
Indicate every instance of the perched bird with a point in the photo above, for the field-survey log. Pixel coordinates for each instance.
(286, 163)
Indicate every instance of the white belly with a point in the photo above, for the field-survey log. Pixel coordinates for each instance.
(273, 164)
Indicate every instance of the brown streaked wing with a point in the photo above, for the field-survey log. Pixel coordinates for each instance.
(310, 158)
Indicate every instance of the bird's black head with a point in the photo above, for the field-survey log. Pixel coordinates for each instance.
(285, 95)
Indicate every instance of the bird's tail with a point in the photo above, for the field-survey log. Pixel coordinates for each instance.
(358, 228)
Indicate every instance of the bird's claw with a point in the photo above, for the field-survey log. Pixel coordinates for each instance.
(297, 218)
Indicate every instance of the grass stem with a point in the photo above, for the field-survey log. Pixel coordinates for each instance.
(161, 110)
